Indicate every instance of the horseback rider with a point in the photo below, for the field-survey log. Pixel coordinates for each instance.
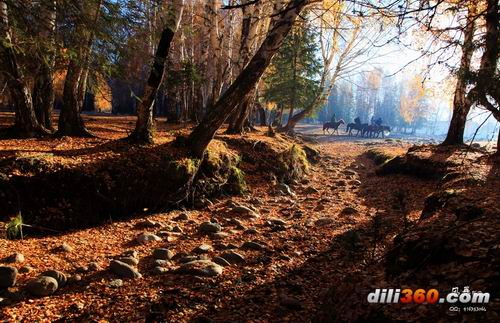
(378, 121)
(333, 119)
(357, 120)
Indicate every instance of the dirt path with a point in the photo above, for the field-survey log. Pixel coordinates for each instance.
(283, 282)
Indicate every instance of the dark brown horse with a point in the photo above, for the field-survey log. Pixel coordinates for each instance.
(332, 125)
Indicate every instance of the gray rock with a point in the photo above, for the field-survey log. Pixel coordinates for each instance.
(186, 259)
(233, 258)
(130, 253)
(147, 237)
(355, 182)
(57, 275)
(252, 245)
(209, 227)
(161, 263)
(221, 261)
(177, 229)
(163, 253)
(8, 276)
(276, 221)
(200, 268)
(148, 223)
(129, 260)
(349, 211)
(159, 270)
(16, 257)
(65, 247)
(25, 269)
(182, 217)
(42, 286)
(310, 190)
(251, 231)
(115, 283)
(123, 270)
(323, 222)
(94, 266)
(245, 211)
(219, 235)
(204, 248)
(350, 172)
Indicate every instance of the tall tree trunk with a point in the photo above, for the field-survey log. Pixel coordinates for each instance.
(461, 102)
(143, 132)
(43, 91)
(70, 121)
(246, 80)
(25, 124)
(249, 26)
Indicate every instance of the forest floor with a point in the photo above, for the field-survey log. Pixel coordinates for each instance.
(303, 236)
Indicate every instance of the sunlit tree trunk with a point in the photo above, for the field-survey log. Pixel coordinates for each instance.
(246, 80)
(143, 132)
(461, 103)
(70, 121)
(43, 90)
(25, 124)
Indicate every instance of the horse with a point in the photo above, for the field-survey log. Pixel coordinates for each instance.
(356, 126)
(333, 125)
(382, 129)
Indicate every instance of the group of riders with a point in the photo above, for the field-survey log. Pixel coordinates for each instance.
(373, 129)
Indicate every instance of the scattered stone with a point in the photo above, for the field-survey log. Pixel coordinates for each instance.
(42, 286)
(148, 223)
(75, 278)
(276, 221)
(221, 261)
(94, 266)
(205, 268)
(124, 270)
(310, 190)
(350, 172)
(177, 229)
(233, 258)
(355, 182)
(251, 231)
(213, 220)
(147, 237)
(204, 248)
(349, 211)
(116, 283)
(130, 253)
(161, 263)
(16, 257)
(163, 254)
(65, 247)
(245, 211)
(321, 222)
(252, 245)
(219, 235)
(182, 217)
(186, 259)
(319, 207)
(8, 276)
(235, 222)
(57, 275)
(476, 145)
(209, 227)
(25, 269)
(159, 270)
(129, 260)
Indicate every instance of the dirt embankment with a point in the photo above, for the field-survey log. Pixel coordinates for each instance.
(126, 180)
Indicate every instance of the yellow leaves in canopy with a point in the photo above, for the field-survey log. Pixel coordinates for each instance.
(271, 105)
(103, 96)
(412, 100)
